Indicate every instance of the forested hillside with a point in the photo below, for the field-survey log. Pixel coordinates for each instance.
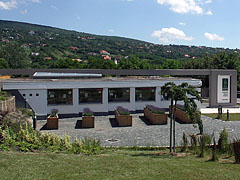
(26, 45)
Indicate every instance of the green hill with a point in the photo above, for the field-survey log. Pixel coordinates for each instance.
(50, 43)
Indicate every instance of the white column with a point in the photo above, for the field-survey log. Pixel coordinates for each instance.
(132, 99)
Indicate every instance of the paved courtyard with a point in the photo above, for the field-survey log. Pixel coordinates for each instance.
(141, 133)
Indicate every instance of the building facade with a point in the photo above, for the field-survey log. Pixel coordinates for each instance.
(101, 95)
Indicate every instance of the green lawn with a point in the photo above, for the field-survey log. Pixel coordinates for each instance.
(113, 164)
(232, 116)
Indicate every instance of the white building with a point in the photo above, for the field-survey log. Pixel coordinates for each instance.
(101, 95)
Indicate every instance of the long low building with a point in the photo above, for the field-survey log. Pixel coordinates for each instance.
(101, 95)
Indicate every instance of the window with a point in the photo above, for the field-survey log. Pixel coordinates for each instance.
(90, 95)
(118, 94)
(60, 96)
(30, 94)
(24, 95)
(145, 94)
(37, 94)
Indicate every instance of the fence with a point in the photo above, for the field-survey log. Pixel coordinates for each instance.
(8, 105)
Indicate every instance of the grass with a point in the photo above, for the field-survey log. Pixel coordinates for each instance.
(232, 116)
(113, 164)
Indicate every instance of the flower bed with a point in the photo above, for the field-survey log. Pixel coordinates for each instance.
(123, 116)
(155, 115)
(181, 115)
(87, 118)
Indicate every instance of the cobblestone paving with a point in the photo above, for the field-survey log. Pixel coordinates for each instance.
(141, 133)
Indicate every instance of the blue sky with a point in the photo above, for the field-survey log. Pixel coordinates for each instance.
(211, 23)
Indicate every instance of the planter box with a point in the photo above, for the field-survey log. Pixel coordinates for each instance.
(123, 120)
(52, 122)
(88, 122)
(155, 118)
(181, 115)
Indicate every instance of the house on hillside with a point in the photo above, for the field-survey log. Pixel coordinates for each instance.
(103, 52)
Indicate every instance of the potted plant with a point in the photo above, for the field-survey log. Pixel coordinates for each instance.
(155, 115)
(181, 114)
(87, 118)
(123, 116)
(52, 120)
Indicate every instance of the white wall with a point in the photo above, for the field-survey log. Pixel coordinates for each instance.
(40, 106)
(37, 103)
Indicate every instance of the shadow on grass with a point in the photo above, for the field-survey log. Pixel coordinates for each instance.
(157, 155)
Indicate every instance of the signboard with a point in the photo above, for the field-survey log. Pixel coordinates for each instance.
(223, 90)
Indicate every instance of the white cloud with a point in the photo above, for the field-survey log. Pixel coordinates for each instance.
(25, 11)
(35, 1)
(54, 7)
(185, 6)
(169, 34)
(213, 37)
(78, 17)
(111, 30)
(209, 13)
(208, 1)
(11, 4)
(8, 5)
(182, 23)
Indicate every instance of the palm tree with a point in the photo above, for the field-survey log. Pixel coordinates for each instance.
(188, 94)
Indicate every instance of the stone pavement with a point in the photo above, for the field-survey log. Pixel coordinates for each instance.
(141, 133)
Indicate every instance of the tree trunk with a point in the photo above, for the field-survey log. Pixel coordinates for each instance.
(174, 129)
(171, 119)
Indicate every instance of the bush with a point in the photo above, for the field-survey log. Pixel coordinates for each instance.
(194, 142)
(29, 140)
(214, 151)
(202, 140)
(27, 112)
(123, 111)
(236, 150)
(185, 143)
(223, 145)
(155, 110)
(87, 112)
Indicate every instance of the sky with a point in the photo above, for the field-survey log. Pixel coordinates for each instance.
(212, 23)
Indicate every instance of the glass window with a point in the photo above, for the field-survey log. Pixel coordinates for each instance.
(90, 95)
(119, 94)
(145, 94)
(60, 96)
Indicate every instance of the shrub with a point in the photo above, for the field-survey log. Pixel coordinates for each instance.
(27, 112)
(185, 142)
(54, 113)
(87, 112)
(214, 151)
(194, 142)
(223, 145)
(123, 111)
(154, 109)
(202, 145)
(90, 146)
(236, 150)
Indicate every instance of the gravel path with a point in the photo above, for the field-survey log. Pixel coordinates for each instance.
(141, 133)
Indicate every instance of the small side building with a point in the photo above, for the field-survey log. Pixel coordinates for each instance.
(102, 95)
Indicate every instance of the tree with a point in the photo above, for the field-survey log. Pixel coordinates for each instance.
(16, 56)
(3, 64)
(188, 94)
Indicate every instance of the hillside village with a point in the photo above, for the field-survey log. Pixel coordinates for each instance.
(47, 43)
